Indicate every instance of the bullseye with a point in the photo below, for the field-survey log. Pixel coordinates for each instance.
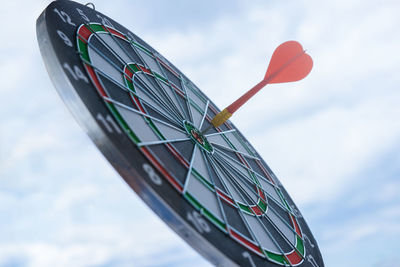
(197, 137)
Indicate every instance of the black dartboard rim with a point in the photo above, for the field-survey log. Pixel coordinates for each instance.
(64, 30)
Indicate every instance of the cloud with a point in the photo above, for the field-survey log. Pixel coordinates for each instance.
(332, 138)
(101, 244)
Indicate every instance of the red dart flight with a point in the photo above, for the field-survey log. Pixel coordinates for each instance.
(289, 63)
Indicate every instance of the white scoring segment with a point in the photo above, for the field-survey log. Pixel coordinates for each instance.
(283, 227)
(102, 64)
(172, 95)
(269, 189)
(204, 195)
(199, 102)
(197, 116)
(137, 122)
(201, 167)
(149, 61)
(261, 233)
(168, 132)
(117, 50)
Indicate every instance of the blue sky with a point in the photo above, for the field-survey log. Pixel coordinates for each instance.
(332, 139)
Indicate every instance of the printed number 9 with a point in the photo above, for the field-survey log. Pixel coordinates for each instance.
(66, 40)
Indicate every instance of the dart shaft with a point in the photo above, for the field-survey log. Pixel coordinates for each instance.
(244, 98)
(225, 114)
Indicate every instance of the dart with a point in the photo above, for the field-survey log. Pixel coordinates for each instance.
(289, 63)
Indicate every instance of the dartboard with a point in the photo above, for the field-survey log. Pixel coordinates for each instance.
(147, 118)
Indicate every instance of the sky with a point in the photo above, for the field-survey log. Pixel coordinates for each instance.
(332, 138)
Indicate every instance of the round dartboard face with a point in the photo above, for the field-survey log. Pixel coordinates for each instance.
(147, 118)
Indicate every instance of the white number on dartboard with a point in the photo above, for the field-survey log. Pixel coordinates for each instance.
(198, 221)
(65, 38)
(152, 174)
(105, 21)
(247, 255)
(108, 123)
(64, 16)
(83, 15)
(75, 72)
(308, 239)
(311, 260)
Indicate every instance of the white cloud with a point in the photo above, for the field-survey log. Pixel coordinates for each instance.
(330, 148)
